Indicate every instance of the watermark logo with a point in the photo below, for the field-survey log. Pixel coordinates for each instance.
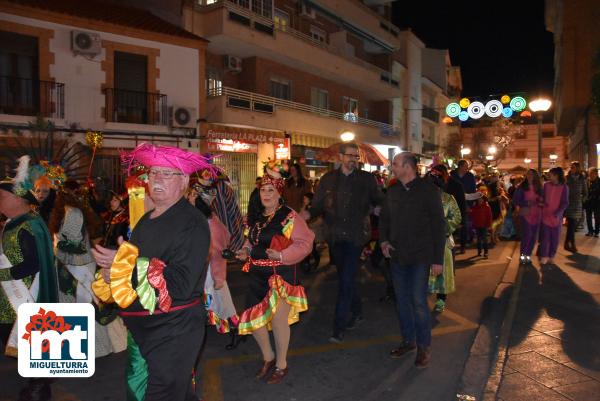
(56, 340)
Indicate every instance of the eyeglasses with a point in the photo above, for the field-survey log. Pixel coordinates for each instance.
(351, 155)
(167, 175)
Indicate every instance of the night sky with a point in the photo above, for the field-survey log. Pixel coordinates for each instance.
(501, 47)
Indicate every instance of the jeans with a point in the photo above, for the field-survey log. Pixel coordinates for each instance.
(346, 256)
(482, 239)
(595, 213)
(410, 285)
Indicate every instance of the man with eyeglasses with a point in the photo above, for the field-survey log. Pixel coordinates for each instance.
(157, 278)
(344, 197)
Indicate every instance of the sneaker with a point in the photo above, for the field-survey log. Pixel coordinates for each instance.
(440, 305)
(423, 357)
(336, 338)
(402, 350)
(355, 321)
(522, 259)
(528, 260)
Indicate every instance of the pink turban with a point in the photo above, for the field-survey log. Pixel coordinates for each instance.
(150, 155)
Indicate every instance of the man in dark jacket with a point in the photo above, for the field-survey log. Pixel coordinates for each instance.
(592, 203)
(467, 180)
(344, 198)
(413, 234)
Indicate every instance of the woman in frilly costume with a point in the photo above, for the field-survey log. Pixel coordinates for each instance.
(278, 239)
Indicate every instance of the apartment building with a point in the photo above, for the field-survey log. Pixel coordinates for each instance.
(286, 78)
(576, 48)
(84, 66)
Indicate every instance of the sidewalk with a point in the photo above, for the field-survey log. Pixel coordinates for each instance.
(553, 348)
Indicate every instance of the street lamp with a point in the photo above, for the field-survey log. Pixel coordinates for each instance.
(527, 160)
(489, 157)
(464, 152)
(347, 136)
(553, 158)
(539, 106)
(492, 150)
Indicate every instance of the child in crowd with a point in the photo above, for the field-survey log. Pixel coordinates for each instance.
(481, 216)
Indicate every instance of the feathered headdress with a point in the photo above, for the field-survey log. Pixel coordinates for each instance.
(273, 175)
(22, 184)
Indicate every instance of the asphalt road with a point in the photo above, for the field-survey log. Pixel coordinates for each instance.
(358, 369)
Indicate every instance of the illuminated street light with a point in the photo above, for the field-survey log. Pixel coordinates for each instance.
(553, 157)
(489, 157)
(539, 106)
(527, 161)
(492, 150)
(464, 151)
(347, 136)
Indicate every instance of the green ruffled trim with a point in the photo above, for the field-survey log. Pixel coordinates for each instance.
(145, 291)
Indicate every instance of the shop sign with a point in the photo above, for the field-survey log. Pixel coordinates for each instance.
(229, 145)
(282, 150)
(244, 137)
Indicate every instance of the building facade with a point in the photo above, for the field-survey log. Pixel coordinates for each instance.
(576, 46)
(84, 67)
(522, 151)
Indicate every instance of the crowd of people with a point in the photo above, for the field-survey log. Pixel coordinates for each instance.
(153, 259)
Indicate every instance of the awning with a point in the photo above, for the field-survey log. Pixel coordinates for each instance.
(313, 141)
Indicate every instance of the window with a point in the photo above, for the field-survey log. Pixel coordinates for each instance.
(130, 97)
(282, 20)
(318, 34)
(520, 153)
(280, 88)
(213, 82)
(19, 85)
(521, 134)
(319, 98)
(263, 7)
(350, 108)
(548, 134)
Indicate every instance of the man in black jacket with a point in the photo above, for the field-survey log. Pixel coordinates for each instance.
(344, 198)
(412, 232)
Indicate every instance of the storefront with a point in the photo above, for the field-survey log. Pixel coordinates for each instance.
(241, 152)
(305, 149)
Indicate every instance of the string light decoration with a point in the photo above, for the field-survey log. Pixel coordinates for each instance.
(467, 108)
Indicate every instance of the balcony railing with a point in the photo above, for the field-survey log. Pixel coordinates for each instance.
(429, 147)
(31, 97)
(260, 23)
(253, 101)
(124, 106)
(430, 114)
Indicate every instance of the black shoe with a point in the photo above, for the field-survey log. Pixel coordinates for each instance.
(404, 349)
(337, 338)
(589, 234)
(354, 322)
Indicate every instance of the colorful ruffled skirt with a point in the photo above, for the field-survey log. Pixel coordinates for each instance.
(266, 289)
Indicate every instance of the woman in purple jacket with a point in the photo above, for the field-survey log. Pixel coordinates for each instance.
(528, 202)
(556, 200)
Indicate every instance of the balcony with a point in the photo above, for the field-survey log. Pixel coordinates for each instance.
(429, 147)
(220, 23)
(430, 114)
(124, 106)
(31, 97)
(230, 105)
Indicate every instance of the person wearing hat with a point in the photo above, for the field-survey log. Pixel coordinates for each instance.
(157, 277)
(116, 220)
(27, 272)
(278, 239)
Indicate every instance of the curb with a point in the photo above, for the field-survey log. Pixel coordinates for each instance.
(483, 368)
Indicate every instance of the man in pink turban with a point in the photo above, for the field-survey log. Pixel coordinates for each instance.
(156, 278)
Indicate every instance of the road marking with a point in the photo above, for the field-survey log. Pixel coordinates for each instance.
(212, 377)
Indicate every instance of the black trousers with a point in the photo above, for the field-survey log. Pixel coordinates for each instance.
(571, 228)
(170, 363)
(592, 216)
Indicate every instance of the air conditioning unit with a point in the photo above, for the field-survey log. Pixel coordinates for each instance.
(307, 11)
(183, 117)
(85, 43)
(232, 63)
